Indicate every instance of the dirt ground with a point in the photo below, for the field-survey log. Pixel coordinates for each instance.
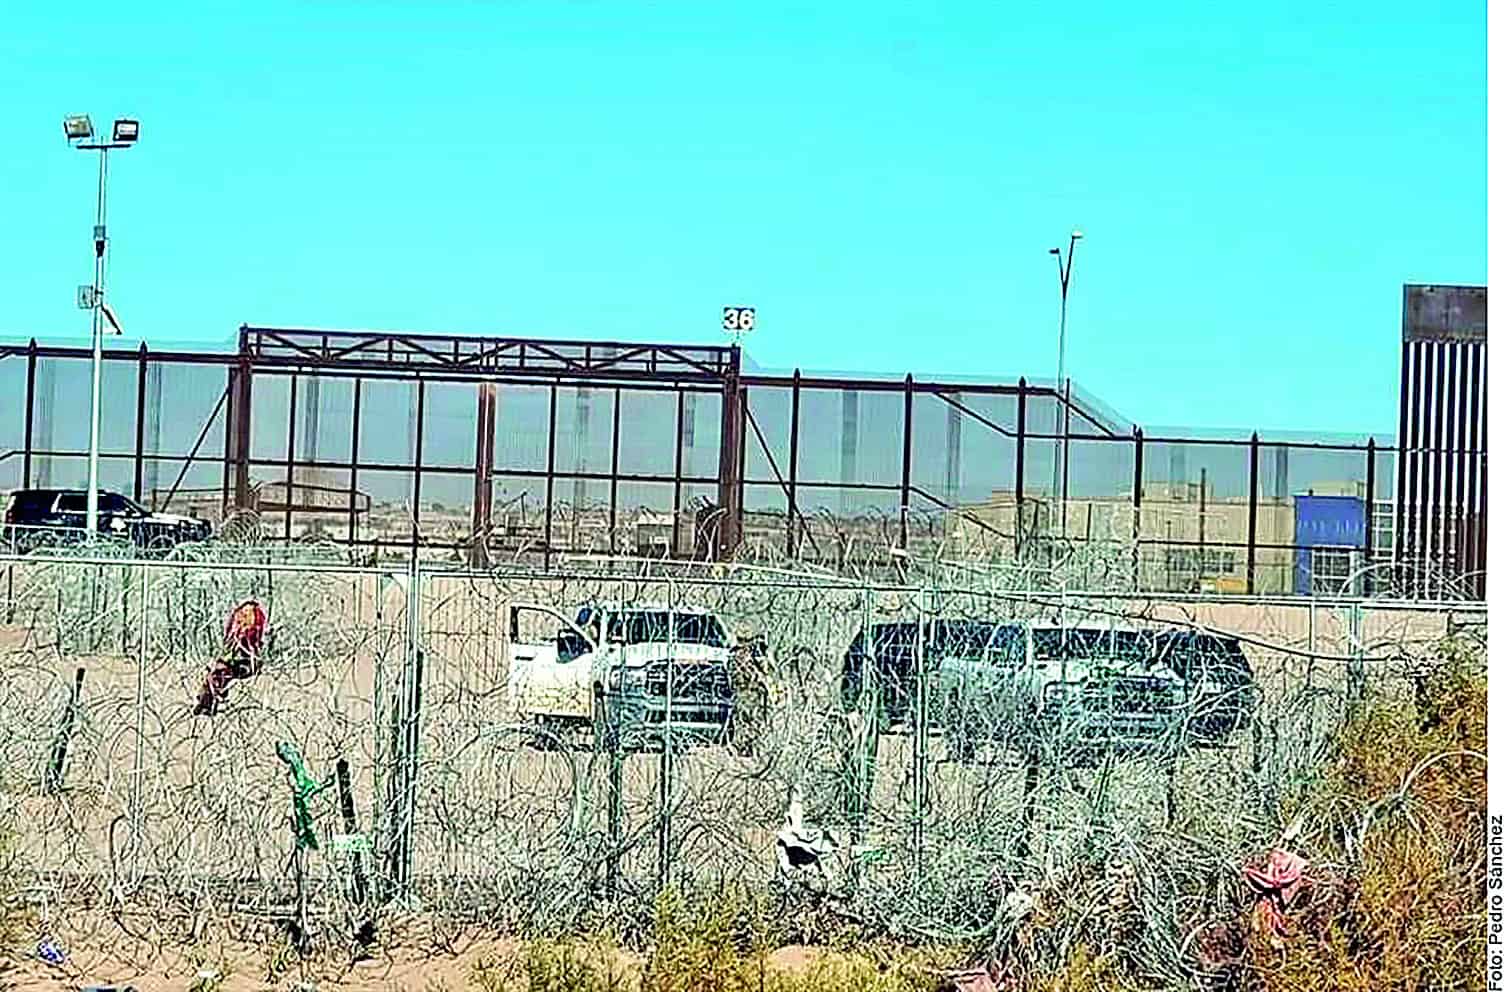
(246, 969)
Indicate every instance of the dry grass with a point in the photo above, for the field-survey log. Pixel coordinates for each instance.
(1407, 816)
(717, 943)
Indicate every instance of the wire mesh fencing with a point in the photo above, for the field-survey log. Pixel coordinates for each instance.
(526, 750)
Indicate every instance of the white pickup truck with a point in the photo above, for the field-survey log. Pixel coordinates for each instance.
(628, 672)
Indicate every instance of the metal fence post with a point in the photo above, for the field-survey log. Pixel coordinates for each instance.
(125, 573)
(288, 491)
(1253, 504)
(797, 389)
(869, 711)
(137, 765)
(1018, 480)
(614, 474)
(351, 490)
(1311, 665)
(419, 460)
(731, 457)
(675, 548)
(920, 731)
(1138, 500)
(31, 405)
(616, 784)
(550, 476)
(482, 473)
(413, 702)
(141, 416)
(239, 422)
(1355, 659)
(404, 744)
(664, 766)
(907, 457)
(1369, 521)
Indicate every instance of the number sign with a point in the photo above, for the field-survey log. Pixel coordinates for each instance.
(739, 320)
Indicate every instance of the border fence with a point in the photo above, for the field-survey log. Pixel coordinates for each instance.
(450, 802)
(482, 452)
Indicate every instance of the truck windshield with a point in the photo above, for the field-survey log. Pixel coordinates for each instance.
(1086, 643)
(1209, 651)
(962, 638)
(965, 639)
(649, 626)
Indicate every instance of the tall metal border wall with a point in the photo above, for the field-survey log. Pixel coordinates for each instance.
(485, 451)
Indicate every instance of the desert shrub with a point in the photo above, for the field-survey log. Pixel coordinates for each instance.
(1406, 810)
(704, 943)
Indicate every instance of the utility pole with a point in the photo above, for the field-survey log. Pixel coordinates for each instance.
(79, 131)
(1063, 262)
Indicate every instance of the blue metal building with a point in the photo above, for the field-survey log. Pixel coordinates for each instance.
(1333, 523)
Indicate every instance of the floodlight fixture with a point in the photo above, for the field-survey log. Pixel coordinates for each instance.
(1076, 235)
(1054, 251)
(78, 127)
(126, 130)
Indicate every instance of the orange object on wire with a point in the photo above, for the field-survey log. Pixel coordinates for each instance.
(245, 629)
(246, 632)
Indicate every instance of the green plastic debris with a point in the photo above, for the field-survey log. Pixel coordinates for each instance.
(305, 788)
(350, 843)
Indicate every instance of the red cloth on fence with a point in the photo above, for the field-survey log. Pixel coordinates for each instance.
(246, 631)
(1278, 880)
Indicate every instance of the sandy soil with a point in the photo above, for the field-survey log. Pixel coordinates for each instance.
(240, 968)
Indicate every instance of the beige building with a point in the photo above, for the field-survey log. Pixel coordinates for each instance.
(1186, 543)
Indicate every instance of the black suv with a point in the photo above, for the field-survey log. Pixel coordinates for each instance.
(48, 517)
(1220, 680)
(894, 649)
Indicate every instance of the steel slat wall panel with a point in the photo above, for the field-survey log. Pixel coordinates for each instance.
(1411, 455)
(1452, 441)
(1398, 511)
(1482, 448)
(1434, 511)
(1441, 484)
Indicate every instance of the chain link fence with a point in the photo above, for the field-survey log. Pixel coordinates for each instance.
(959, 740)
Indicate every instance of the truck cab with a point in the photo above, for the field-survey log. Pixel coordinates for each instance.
(628, 673)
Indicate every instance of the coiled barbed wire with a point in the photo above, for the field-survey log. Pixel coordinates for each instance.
(118, 797)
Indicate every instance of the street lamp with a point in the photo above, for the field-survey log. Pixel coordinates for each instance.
(79, 132)
(1063, 263)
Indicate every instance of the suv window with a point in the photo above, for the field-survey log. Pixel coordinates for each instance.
(1009, 646)
(888, 641)
(116, 503)
(30, 503)
(1209, 651)
(647, 627)
(1087, 643)
(75, 501)
(967, 639)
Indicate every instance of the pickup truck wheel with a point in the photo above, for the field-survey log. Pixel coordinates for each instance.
(605, 737)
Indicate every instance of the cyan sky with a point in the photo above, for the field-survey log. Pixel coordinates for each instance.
(881, 180)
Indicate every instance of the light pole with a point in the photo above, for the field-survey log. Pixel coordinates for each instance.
(79, 131)
(1062, 457)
